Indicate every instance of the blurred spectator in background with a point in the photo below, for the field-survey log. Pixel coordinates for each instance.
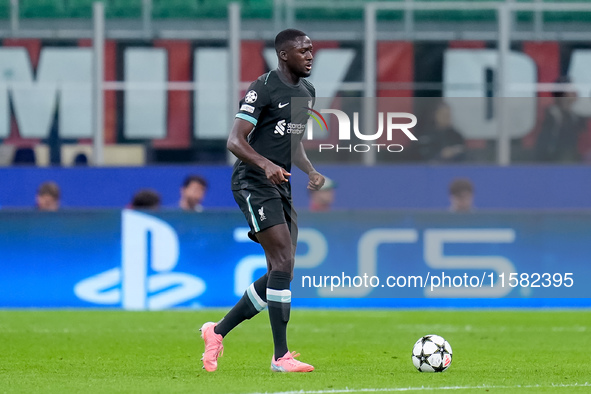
(145, 199)
(461, 195)
(561, 127)
(192, 193)
(24, 156)
(48, 197)
(321, 200)
(81, 160)
(439, 141)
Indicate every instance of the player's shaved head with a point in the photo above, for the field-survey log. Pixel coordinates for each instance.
(285, 37)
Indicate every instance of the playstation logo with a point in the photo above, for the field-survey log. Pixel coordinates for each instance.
(148, 245)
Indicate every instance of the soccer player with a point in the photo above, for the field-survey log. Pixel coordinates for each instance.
(265, 138)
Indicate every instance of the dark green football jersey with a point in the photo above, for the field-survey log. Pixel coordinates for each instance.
(267, 105)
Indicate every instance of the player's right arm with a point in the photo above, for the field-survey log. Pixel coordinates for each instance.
(252, 105)
(239, 146)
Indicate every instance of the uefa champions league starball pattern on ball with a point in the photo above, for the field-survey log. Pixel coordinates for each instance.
(431, 353)
(250, 97)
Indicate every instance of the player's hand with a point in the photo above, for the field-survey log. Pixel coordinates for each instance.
(316, 180)
(276, 174)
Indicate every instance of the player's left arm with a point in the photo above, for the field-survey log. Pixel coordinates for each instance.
(301, 160)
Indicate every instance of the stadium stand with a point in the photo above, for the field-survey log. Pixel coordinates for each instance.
(41, 9)
(4, 10)
(113, 8)
(257, 9)
(210, 9)
(188, 19)
(128, 9)
(175, 9)
(263, 9)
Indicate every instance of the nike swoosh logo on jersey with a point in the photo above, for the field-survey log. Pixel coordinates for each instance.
(283, 105)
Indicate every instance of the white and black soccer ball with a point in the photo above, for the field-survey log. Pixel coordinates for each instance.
(431, 353)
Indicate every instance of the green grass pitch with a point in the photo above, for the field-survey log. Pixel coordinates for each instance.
(353, 351)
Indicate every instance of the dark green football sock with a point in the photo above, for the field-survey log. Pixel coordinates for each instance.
(279, 301)
(252, 302)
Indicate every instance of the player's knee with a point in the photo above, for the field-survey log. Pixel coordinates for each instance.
(283, 264)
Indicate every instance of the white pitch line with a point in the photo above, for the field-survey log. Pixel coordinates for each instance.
(423, 388)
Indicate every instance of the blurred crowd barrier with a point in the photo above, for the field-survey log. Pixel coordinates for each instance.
(357, 187)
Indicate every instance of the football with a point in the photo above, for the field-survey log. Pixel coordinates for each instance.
(431, 353)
